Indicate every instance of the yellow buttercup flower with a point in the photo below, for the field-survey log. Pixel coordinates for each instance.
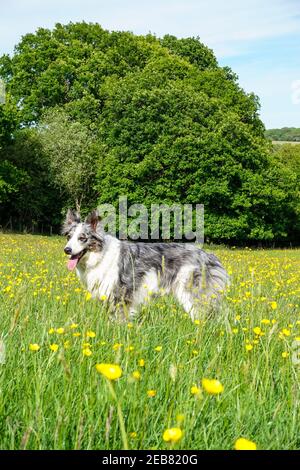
(73, 326)
(172, 435)
(110, 371)
(285, 354)
(141, 363)
(195, 390)
(87, 352)
(136, 375)
(257, 330)
(273, 305)
(34, 347)
(249, 347)
(88, 296)
(60, 331)
(151, 393)
(90, 334)
(158, 348)
(51, 331)
(212, 386)
(53, 347)
(103, 297)
(244, 444)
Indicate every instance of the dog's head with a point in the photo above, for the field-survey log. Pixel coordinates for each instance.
(82, 237)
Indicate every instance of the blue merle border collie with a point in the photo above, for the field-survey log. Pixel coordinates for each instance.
(126, 273)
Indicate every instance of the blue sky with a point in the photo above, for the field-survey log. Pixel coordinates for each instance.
(259, 39)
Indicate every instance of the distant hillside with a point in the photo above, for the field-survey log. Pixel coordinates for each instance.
(288, 134)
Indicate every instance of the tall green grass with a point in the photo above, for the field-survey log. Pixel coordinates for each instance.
(57, 400)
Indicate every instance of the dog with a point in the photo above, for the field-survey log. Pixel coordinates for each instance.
(126, 274)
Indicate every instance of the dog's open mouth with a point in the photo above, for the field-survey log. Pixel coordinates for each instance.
(74, 260)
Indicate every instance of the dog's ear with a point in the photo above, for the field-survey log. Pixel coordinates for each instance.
(71, 218)
(93, 219)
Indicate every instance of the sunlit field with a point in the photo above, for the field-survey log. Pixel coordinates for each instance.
(53, 334)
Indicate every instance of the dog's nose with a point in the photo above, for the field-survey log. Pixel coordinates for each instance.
(68, 250)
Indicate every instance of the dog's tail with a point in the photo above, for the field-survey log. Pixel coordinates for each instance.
(216, 278)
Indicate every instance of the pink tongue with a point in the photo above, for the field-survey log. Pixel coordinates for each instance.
(72, 264)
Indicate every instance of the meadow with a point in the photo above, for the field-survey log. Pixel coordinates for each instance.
(53, 397)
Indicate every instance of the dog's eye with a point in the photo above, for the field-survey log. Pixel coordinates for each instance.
(68, 237)
(82, 238)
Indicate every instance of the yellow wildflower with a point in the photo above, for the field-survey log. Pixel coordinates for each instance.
(110, 371)
(257, 330)
(172, 435)
(90, 334)
(87, 352)
(244, 444)
(212, 386)
(136, 375)
(195, 390)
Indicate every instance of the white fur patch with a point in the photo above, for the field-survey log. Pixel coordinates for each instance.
(99, 272)
(74, 243)
(149, 286)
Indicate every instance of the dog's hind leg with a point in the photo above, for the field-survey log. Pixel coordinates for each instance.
(185, 298)
(182, 290)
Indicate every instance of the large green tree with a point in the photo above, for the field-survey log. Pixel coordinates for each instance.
(70, 150)
(174, 134)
